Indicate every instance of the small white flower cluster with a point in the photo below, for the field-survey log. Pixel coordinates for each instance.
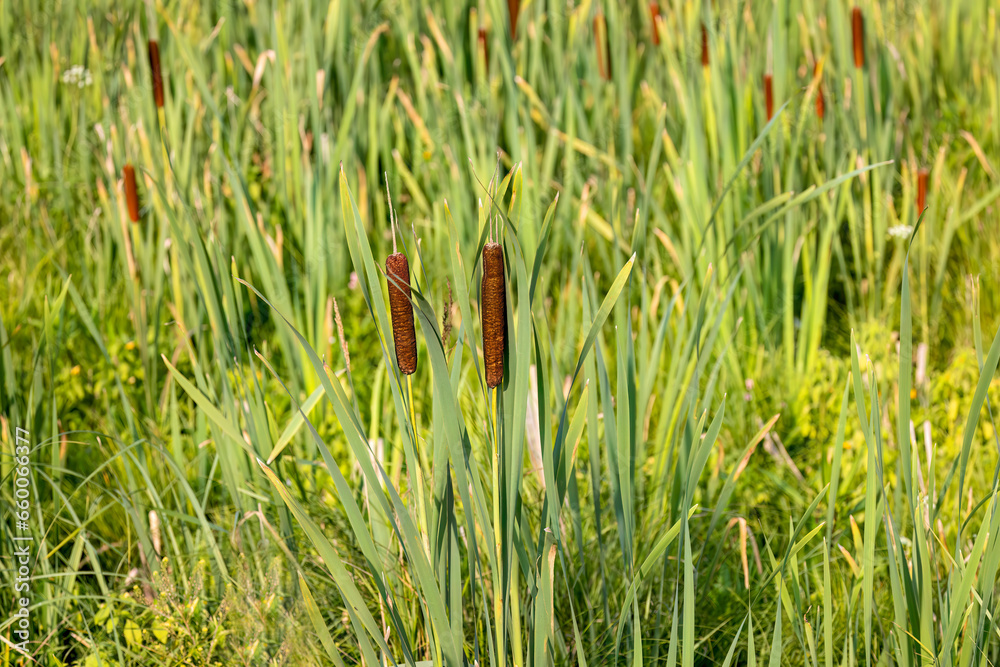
(901, 231)
(77, 75)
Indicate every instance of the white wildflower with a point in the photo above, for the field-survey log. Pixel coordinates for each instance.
(901, 231)
(78, 76)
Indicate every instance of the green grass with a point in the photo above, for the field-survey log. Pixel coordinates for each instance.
(747, 413)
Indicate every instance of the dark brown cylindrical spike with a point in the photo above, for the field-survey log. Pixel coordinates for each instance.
(131, 197)
(494, 313)
(768, 97)
(820, 101)
(654, 17)
(922, 189)
(157, 73)
(858, 28)
(484, 45)
(704, 46)
(513, 9)
(397, 270)
(602, 46)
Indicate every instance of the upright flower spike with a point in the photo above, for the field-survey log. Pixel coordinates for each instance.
(494, 313)
(820, 102)
(484, 45)
(602, 46)
(513, 9)
(131, 197)
(654, 17)
(858, 28)
(922, 189)
(704, 46)
(397, 271)
(768, 97)
(157, 73)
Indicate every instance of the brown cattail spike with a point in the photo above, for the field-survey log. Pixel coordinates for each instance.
(157, 73)
(768, 97)
(602, 46)
(704, 46)
(922, 189)
(397, 271)
(654, 18)
(484, 45)
(858, 28)
(131, 198)
(820, 102)
(513, 9)
(494, 309)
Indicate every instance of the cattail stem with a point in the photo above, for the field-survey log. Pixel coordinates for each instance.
(769, 97)
(397, 270)
(602, 46)
(858, 28)
(704, 46)
(494, 313)
(131, 197)
(418, 482)
(922, 189)
(654, 18)
(156, 72)
(498, 592)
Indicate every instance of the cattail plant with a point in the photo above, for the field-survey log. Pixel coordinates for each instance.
(485, 47)
(768, 96)
(704, 46)
(820, 102)
(493, 310)
(654, 16)
(922, 189)
(494, 313)
(602, 46)
(397, 271)
(157, 73)
(858, 28)
(513, 9)
(131, 197)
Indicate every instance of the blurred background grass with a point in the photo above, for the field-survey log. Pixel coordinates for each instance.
(759, 246)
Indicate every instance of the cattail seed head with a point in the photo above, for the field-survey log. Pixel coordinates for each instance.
(704, 46)
(513, 9)
(131, 197)
(602, 46)
(922, 189)
(768, 97)
(484, 45)
(157, 73)
(494, 313)
(820, 101)
(654, 17)
(397, 270)
(858, 28)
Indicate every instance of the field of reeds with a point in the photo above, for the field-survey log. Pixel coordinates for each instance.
(504, 333)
